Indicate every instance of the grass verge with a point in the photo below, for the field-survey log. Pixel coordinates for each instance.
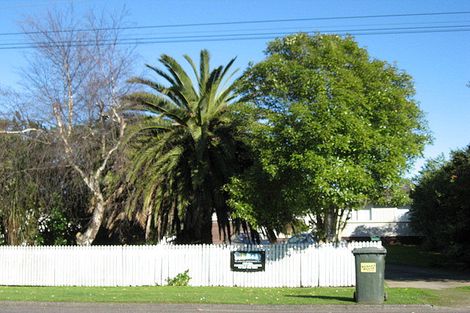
(226, 295)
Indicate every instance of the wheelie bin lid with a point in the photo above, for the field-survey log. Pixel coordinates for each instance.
(369, 250)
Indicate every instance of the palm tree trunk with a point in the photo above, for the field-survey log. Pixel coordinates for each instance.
(197, 225)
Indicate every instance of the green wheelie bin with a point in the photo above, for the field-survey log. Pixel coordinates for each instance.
(370, 267)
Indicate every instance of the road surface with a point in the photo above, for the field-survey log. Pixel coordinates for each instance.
(35, 307)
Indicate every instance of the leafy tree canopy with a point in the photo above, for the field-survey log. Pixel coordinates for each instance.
(332, 127)
(440, 209)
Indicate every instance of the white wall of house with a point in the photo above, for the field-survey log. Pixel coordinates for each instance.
(376, 221)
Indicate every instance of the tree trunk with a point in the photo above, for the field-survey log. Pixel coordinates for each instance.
(197, 226)
(88, 236)
(331, 230)
(271, 235)
(148, 225)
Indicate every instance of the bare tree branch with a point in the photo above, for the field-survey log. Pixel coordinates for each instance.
(23, 131)
(82, 86)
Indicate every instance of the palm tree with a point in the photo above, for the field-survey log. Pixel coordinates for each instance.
(183, 149)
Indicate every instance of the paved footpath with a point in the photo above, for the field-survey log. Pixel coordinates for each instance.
(405, 276)
(39, 307)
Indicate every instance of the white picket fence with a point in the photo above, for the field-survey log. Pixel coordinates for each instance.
(208, 265)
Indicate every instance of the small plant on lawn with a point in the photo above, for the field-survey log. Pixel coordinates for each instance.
(182, 279)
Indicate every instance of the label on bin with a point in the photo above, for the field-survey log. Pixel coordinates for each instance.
(368, 267)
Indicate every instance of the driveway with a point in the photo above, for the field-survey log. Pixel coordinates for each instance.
(416, 277)
(33, 307)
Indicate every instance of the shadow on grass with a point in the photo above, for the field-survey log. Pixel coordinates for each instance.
(338, 298)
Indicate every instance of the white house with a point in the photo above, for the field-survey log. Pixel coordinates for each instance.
(384, 222)
(376, 221)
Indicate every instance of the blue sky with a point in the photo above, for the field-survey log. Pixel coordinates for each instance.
(438, 62)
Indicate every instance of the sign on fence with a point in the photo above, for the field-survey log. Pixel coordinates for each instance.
(247, 261)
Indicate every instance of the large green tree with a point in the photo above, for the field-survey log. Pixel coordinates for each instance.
(332, 127)
(183, 150)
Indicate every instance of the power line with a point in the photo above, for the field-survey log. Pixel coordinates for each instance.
(36, 4)
(297, 28)
(241, 36)
(294, 28)
(244, 22)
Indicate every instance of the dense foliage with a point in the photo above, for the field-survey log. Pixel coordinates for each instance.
(440, 209)
(40, 200)
(332, 129)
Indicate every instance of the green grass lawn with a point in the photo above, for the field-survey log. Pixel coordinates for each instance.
(226, 295)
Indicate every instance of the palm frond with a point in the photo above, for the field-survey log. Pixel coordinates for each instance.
(193, 66)
(180, 76)
(163, 74)
(143, 101)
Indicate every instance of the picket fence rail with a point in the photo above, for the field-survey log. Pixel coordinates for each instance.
(209, 265)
